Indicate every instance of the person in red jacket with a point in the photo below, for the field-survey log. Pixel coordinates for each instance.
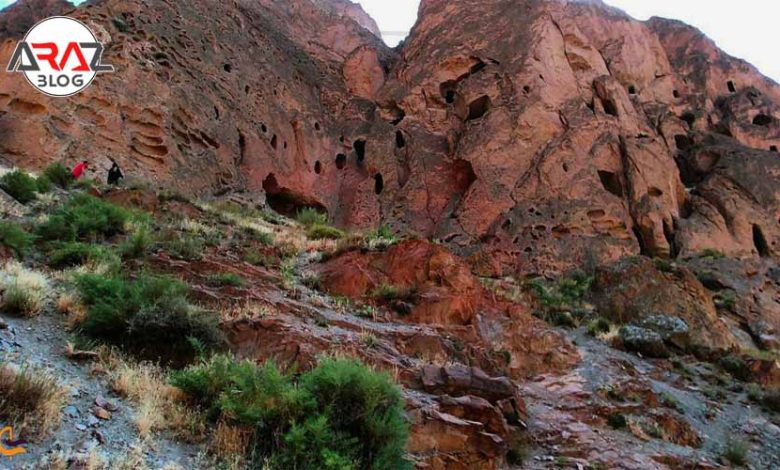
(79, 169)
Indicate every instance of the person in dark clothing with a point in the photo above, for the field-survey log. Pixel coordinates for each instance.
(114, 175)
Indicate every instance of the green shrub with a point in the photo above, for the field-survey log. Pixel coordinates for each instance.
(84, 217)
(58, 174)
(325, 232)
(736, 366)
(150, 313)
(68, 254)
(259, 259)
(14, 237)
(311, 217)
(386, 292)
(566, 293)
(43, 184)
(340, 415)
(228, 279)
(19, 185)
(137, 244)
(617, 421)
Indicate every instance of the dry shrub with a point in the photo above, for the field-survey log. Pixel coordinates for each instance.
(30, 400)
(160, 406)
(24, 291)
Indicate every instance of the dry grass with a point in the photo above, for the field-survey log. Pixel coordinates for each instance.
(30, 399)
(160, 406)
(24, 291)
(65, 460)
(229, 444)
(69, 304)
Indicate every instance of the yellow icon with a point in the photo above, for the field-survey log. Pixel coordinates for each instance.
(7, 438)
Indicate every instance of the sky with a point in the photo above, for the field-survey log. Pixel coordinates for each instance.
(747, 29)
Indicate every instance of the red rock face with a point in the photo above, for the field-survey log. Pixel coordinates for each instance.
(542, 133)
(19, 17)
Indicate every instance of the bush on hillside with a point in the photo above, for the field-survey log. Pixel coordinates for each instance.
(310, 217)
(151, 313)
(15, 238)
(58, 174)
(84, 217)
(19, 185)
(69, 254)
(325, 232)
(340, 415)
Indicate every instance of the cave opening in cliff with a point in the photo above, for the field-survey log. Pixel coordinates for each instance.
(241, 145)
(773, 148)
(360, 150)
(676, 93)
(263, 128)
(317, 167)
(274, 142)
(400, 140)
(611, 183)
(449, 91)
(341, 161)
(732, 87)
(762, 247)
(689, 117)
(228, 68)
(479, 107)
(316, 126)
(610, 107)
(379, 184)
(762, 120)
(683, 142)
(632, 90)
(286, 201)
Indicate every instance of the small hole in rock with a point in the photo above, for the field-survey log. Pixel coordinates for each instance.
(611, 183)
(228, 68)
(478, 108)
(610, 107)
(316, 126)
(773, 148)
(379, 184)
(360, 150)
(690, 118)
(632, 90)
(762, 120)
(683, 142)
(341, 161)
(317, 167)
(400, 141)
(274, 142)
(732, 87)
(760, 242)
(676, 94)
(264, 128)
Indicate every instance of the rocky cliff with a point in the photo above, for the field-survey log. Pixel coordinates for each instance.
(503, 139)
(543, 132)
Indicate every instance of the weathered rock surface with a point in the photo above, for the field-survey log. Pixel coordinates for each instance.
(635, 290)
(542, 134)
(17, 18)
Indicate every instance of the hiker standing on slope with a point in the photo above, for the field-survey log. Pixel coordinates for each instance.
(114, 174)
(79, 169)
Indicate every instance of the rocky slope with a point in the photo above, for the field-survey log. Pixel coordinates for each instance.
(519, 138)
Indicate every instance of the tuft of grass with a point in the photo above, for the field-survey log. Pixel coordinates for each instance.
(43, 184)
(712, 254)
(150, 314)
(24, 291)
(15, 238)
(186, 247)
(566, 293)
(58, 174)
(137, 244)
(19, 185)
(736, 452)
(30, 400)
(726, 300)
(310, 217)
(228, 279)
(340, 414)
(312, 281)
(617, 421)
(386, 292)
(324, 232)
(598, 326)
(259, 259)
